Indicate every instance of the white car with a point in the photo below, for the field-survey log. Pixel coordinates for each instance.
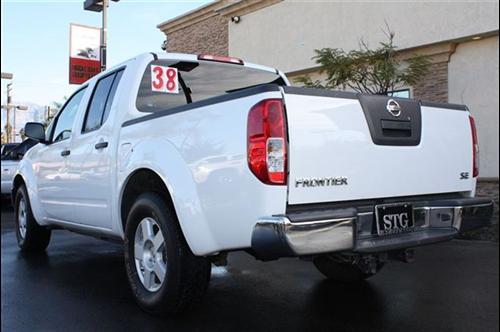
(12, 153)
(185, 158)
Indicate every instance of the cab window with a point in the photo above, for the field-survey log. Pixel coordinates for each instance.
(100, 102)
(65, 119)
(200, 81)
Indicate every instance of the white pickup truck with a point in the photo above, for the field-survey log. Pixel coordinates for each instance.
(185, 158)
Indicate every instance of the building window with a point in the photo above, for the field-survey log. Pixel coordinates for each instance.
(403, 93)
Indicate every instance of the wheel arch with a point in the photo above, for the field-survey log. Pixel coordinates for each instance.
(191, 221)
(140, 181)
(28, 181)
(17, 182)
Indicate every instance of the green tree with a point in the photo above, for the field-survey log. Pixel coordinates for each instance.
(371, 71)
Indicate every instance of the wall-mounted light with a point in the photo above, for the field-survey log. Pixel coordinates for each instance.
(164, 44)
(235, 19)
(476, 38)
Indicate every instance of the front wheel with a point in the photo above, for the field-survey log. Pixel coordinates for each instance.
(30, 236)
(345, 271)
(163, 273)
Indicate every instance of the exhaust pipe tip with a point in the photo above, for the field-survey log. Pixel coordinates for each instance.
(405, 255)
(409, 256)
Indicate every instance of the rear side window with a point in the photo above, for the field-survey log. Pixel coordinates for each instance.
(199, 81)
(111, 96)
(100, 102)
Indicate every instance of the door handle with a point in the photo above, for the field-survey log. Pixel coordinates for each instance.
(101, 145)
(65, 153)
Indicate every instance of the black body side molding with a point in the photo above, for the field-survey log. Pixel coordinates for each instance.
(293, 90)
(456, 107)
(205, 102)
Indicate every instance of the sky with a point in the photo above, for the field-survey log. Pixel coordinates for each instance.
(35, 40)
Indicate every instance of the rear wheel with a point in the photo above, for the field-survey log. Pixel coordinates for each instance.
(30, 235)
(163, 273)
(346, 271)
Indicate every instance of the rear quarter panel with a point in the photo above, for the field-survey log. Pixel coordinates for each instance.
(201, 155)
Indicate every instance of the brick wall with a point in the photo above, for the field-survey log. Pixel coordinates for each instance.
(209, 36)
(486, 189)
(489, 189)
(434, 85)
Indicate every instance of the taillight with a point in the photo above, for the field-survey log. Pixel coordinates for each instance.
(267, 144)
(220, 58)
(475, 148)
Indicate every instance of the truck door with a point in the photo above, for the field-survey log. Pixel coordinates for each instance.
(90, 165)
(52, 158)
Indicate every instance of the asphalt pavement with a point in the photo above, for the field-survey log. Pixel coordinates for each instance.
(80, 285)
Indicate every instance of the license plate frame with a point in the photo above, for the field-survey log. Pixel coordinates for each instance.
(399, 224)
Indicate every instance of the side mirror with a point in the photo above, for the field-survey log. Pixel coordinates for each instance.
(35, 131)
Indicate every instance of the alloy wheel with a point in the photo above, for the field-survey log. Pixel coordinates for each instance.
(21, 218)
(150, 254)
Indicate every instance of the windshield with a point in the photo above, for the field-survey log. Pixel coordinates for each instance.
(6, 148)
(199, 81)
(18, 150)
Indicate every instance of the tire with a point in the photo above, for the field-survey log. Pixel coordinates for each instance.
(31, 237)
(186, 276)
(343, 271)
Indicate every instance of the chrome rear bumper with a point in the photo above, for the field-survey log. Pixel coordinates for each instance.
(347, 230)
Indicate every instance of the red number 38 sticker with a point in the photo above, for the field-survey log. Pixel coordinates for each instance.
(164, 79)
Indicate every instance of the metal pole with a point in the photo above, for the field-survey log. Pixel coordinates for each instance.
(7, 126)
(9, 101)
(104, 32)
(14, 125)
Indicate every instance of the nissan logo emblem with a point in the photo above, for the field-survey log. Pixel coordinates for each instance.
(393, 107)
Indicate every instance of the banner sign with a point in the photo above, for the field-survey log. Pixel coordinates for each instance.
(84, 55)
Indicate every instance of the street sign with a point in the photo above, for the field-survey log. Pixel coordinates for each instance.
(84, 57)
(94, 5)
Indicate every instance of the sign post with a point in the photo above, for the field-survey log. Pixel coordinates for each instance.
(100, 6)
(84, 53)
(104, 34)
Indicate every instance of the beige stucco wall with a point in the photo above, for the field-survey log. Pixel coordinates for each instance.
(284, 35)
(473, 80)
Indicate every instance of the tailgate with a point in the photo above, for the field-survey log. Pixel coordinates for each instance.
(348, 147)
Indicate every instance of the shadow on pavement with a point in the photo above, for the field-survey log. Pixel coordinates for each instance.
(80, 285)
